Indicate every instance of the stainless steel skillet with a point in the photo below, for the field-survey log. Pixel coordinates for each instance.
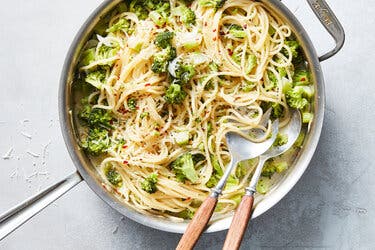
(18, 215)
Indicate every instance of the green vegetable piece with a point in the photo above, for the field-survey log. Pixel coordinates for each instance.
(237, 31)
(175, 94)
(113, 177)
(217, 172)
(301, 78)
(157, 18)
(243, 167)
(96, 78)
(186, 15)
(298, 96)
(122, 24)
(95, 117)
(184, 169)
(294, 46)
(264, 185)
(251, 63)
(97, 141)
(87, 57)
(281, 166)
(164, 39)
(271, 167)
(281, 139)
(247, 86)
(217, 4)
(149, 183)
(184, 72)
(300, 140)
(162, 58)
(307, 117)
(186, 214)
(132, 104)
(144, 114)
(232, 181)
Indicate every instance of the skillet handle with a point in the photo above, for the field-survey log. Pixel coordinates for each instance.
(18, 215)
(330, 23)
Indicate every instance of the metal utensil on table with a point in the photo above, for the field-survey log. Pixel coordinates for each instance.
(243, 212)
(240, 149)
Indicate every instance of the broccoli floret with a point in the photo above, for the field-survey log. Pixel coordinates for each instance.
(144, 114)
(142, 8)
(149, 183)
(186, 214)
(214, 67)
(106, 52)
(298, 96)
(307, 117)
(271, 167)
(122, 24)
(184, 169)
(162, 58)
(301, 78)
(132, 104)
(164, 39)
(95, 117)
(294, 46)
(243, 167)
(300, 140)
(272, 81)
(96, 78)
(247, 86)
(237, 31)
(277, 109)
(184, 72)
(251, 63)
(113, 176)
(217, 172)
(175, 94)
(87, 57)
(186, 15)
(281, 139)
(264, 185)
(97, 141)
(217, 4)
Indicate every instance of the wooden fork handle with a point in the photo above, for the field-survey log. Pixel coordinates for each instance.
(239, 223)
(197, 224)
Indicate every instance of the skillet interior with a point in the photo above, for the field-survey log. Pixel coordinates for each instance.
(85, 168)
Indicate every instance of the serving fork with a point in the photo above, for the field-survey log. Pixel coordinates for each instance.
(240, 149)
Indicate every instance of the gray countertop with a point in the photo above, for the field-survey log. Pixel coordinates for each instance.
(331, 207)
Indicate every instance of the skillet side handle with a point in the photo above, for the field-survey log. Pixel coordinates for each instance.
(330, 23)
(18, 215)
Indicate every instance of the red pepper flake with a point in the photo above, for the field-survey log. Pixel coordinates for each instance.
(230, 52)
(157, 26)
(214, 38)
(245, 26)
(124, 146)
(205, 23)
(111, 122)
(125, 162)
(214, 30)
(303, 79)
(147, 84)
(222, 33)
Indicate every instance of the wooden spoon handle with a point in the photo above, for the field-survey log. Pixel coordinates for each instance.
(197, 224)
(239, 223)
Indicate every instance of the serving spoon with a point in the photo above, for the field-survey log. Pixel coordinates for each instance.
(244, 209)
(240, 149)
